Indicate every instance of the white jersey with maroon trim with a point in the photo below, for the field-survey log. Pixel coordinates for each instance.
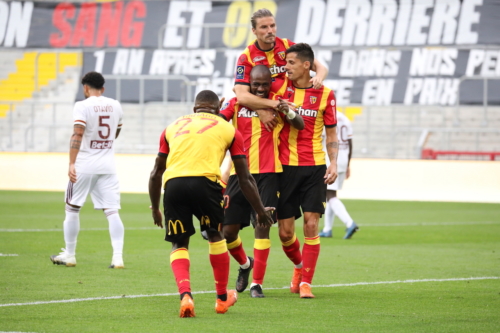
(344, 133)
(101, 116)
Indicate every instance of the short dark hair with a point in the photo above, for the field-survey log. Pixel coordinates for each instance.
(264, 12)
(303, 50)
(260, 69)
(207, 96)
(94, 80)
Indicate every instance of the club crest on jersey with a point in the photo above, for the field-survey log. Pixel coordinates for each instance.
(260, 58)
(240, 72)
(313, 99)
(282, 55)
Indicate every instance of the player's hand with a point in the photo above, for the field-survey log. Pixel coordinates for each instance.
(316, 82)
(157, 217)
(331, 174)
(221, 103)
(267, 218)
(268, 118)
(348, 173)
(72, 173)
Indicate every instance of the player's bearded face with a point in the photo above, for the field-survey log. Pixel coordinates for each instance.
(265, 30)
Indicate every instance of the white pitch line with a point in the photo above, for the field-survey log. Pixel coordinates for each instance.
(361, 225)
(74, 300)
(8, 255)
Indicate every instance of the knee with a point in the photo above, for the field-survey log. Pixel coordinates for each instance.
(230, 234)
(286, 234)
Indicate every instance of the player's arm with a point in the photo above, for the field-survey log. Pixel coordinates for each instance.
(246, 180)
(291, 116)
(74, 148)
(249, 188)
(245, 97)
(118, 130)
(321, 74)
(348, 172)
(332, 149)
(155, 180)
(155, 188)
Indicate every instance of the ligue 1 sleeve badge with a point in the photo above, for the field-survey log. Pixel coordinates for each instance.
(240, 72)
(333, 102)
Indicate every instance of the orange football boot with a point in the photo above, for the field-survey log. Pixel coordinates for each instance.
(305, 291)
(187, 307)
(221, 306)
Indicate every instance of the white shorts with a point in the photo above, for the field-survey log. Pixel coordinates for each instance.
(104, 191)
(337, 184)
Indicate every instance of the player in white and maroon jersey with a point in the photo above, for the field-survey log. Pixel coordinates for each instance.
(333, 204)
(97, 123)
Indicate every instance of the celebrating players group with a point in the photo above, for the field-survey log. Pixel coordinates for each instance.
(279, 171)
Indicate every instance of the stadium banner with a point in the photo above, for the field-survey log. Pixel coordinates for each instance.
(379, 52)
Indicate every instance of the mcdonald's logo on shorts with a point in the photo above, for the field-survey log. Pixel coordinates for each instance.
(172, 227)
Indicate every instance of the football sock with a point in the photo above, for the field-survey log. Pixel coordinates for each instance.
(219, 258)
(292, 250)
(179, 261)
(310, 254)
(71, 228)
(261, 250)
(328, 219)
(116, 231)
(339, 210)
(238, 253)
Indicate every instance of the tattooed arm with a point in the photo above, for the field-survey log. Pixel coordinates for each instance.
(332, 149)
(74, 148)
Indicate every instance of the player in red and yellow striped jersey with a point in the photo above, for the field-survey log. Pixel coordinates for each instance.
(304, 166)
(267, 50)
(264, 165)
(191, 151)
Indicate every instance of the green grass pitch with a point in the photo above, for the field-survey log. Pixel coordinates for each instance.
(451, 252)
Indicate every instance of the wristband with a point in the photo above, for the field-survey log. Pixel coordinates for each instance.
(291, 114)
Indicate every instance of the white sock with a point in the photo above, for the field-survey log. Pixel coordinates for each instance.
(71, 228)
(253, 284)
(298, 266)
(302, 283)
(116, 231)
(246, 265)
(339, 209)
(328, 219)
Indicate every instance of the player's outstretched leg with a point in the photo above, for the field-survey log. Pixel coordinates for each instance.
(261, 249)
(116, 233)
(219, 258)
(71, 228)
(235, 247)
(180, 263)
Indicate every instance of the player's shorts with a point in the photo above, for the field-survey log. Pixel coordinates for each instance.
(337, 184)
(302, 187)
(104, 191)
(238, 210)
(188, 196)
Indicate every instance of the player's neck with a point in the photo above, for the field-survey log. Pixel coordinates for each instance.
(95, 93)
(264, 46)
(303, 82)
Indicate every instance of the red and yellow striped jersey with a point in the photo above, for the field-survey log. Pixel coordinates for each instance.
(262, 145)
(196, 144)
(318, 109)
(273, 58)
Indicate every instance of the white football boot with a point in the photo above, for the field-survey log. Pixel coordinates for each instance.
(117, 262)
(64, 259)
